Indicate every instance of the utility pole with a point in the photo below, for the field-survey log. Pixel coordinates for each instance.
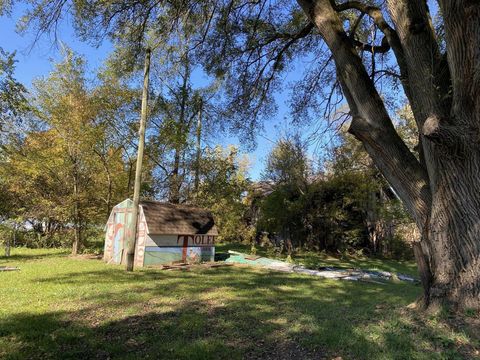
(138, 170)
(199, 133)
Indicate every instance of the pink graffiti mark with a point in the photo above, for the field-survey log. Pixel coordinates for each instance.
(193, 256)
(117, 228)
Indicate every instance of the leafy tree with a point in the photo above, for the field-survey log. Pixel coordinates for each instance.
(13, 107)
(13, 101)
(65, 106)
(251, 43)
(381, 210)
(173, 124)
(116, 115)
(349, 206)
(255, 42)
(179, 112)
(440, 189)
(287, 164)
(223, 185)
(283, 211)
(67, 171)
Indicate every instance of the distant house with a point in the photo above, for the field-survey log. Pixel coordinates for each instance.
(167, 233)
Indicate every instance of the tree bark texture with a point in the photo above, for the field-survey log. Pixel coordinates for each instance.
(441, 190)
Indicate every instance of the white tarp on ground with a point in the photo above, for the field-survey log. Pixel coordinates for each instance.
(326, 272)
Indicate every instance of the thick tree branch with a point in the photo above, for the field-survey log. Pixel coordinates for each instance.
(306, 30)
(374, 49)
(391, 35)
(462, 30)
(429, 80)
(371, 122)
(422, 55)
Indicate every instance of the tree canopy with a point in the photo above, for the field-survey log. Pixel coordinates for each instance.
(369, 55)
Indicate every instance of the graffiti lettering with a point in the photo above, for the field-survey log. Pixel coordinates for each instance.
(196, 240)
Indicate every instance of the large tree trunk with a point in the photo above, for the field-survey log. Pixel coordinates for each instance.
(441, 190)
(455, 217)
(446, 104)
(454, 232)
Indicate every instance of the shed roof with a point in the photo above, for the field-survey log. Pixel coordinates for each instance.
(166, 218)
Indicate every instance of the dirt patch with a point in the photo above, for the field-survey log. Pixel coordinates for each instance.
(187, 266)
(285, 349)
(86, 257)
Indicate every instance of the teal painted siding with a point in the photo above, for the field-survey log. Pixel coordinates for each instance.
(165, 255)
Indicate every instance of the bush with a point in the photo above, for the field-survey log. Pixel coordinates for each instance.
(396, 247)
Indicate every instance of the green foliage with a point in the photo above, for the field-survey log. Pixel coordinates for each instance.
(327, 216)
(66, 172)
(5, 7)
(222, 187)
(12, 93)
(350, 207)
(287, 164)
(13, 102)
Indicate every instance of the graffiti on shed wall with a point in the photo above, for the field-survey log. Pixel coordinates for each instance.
(196, 240)
(158, 248)
(141, 240)
(118, 231)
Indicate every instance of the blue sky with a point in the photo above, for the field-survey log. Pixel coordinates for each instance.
(35, 60)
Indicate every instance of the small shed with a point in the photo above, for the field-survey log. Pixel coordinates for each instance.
(167, 233)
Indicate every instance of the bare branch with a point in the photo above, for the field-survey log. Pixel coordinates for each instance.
(374, 49)
(391, 35)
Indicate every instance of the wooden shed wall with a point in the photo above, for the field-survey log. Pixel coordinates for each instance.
(117, 230)
(152, 249)
(162, 253)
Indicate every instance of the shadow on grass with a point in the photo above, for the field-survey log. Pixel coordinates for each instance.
(188, 333)
(222, 313)
(181, 334)
(28, 256)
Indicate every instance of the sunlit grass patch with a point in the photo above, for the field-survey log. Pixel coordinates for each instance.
(62, 307)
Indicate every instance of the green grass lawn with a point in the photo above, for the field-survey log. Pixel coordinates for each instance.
(71, 308)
